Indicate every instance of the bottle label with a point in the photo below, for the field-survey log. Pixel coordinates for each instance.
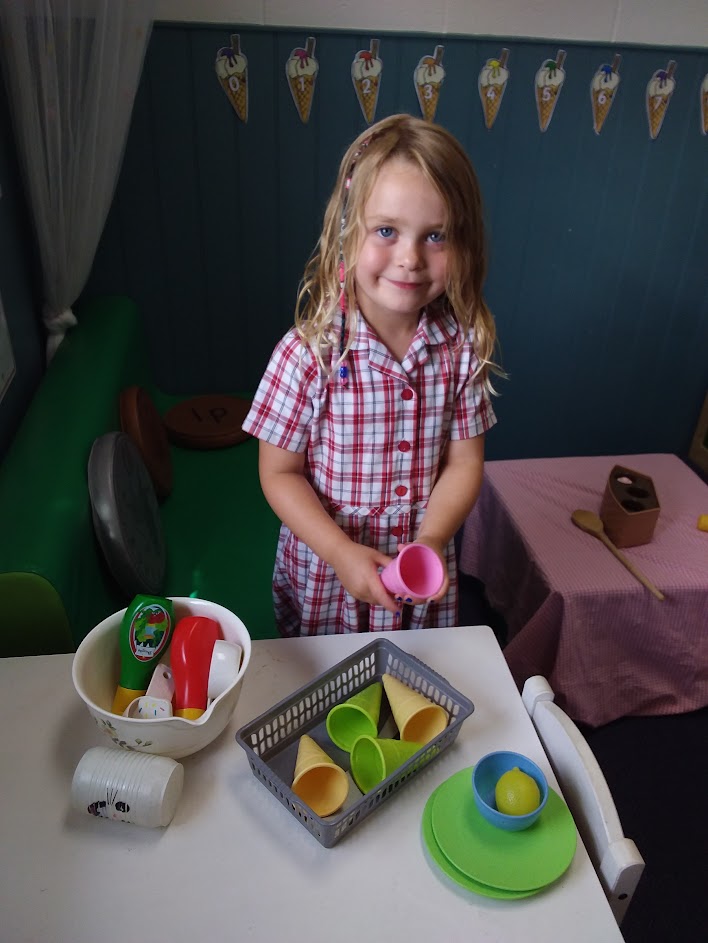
(149, 631)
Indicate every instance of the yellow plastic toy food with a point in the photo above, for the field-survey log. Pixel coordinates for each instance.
(517, 793)
(703, 522)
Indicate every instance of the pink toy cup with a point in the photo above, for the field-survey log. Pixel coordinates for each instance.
(415, 575)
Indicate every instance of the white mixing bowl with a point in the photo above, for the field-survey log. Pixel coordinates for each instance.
(95, 672)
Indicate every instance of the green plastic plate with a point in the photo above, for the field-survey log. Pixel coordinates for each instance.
(451, 871)
(511, 861)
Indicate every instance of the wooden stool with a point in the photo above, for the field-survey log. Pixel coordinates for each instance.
(208, 422)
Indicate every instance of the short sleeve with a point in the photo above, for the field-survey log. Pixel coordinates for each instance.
(473, 413)
(282, 408)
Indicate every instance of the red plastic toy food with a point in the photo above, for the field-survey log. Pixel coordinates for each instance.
(190, 657)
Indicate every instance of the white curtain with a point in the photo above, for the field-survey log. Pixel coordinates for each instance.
(71, 69)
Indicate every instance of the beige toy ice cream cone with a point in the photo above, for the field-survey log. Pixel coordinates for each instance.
(548, 84)
(429, 76)
(659, 91)
(366, 76)
(603, 90)
(492, 85)
(301, 71)
(232, 69)
(417, 718)
(318, 781)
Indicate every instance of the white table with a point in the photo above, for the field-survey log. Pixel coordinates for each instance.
(234, 864)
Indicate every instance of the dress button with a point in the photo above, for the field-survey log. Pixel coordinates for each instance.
(401, 490)
(407, 394)
(397, 531)
(404, 446)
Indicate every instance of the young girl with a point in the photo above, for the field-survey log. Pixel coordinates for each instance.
(372, 411)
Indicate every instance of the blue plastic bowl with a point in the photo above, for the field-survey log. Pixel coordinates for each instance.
(485, 777)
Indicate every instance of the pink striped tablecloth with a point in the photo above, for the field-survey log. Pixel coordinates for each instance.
(575, 615)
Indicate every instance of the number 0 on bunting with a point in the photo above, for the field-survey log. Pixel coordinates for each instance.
(232, 69)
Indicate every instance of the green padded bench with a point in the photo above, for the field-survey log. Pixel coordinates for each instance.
(54, 583)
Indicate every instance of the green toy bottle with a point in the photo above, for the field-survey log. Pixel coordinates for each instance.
(145, 633)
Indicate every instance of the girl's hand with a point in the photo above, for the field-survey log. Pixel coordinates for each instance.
(440, 551)
(358, 571)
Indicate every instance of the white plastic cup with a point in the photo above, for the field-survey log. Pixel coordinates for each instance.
(415, 575)
(224, 667)
(126, 786)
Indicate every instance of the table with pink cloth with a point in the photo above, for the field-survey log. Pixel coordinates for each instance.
(607, 646)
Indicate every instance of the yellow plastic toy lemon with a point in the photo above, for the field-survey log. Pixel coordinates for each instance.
(517, 793)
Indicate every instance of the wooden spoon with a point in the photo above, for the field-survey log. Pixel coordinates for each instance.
(591, 524)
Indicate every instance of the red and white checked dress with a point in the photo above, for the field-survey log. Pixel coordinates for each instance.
(373, 451)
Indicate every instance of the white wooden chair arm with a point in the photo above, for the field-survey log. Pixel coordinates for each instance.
(616, 858)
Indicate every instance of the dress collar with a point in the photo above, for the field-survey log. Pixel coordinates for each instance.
(433, 330)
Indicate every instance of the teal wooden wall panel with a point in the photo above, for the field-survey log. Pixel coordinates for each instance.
(597, 270)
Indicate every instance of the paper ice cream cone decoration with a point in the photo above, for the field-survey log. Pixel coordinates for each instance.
(417, 718)
(232, 69)
(548, 84)
(492, 85)
(355, 717)
(659, 91)
(301, 72)
(318, 781)
(603, 90)
(429, 76)
(366, 76)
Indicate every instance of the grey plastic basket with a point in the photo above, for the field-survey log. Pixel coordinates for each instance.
(271, 740)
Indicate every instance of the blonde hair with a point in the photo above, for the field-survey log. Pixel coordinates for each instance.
(444, 163)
